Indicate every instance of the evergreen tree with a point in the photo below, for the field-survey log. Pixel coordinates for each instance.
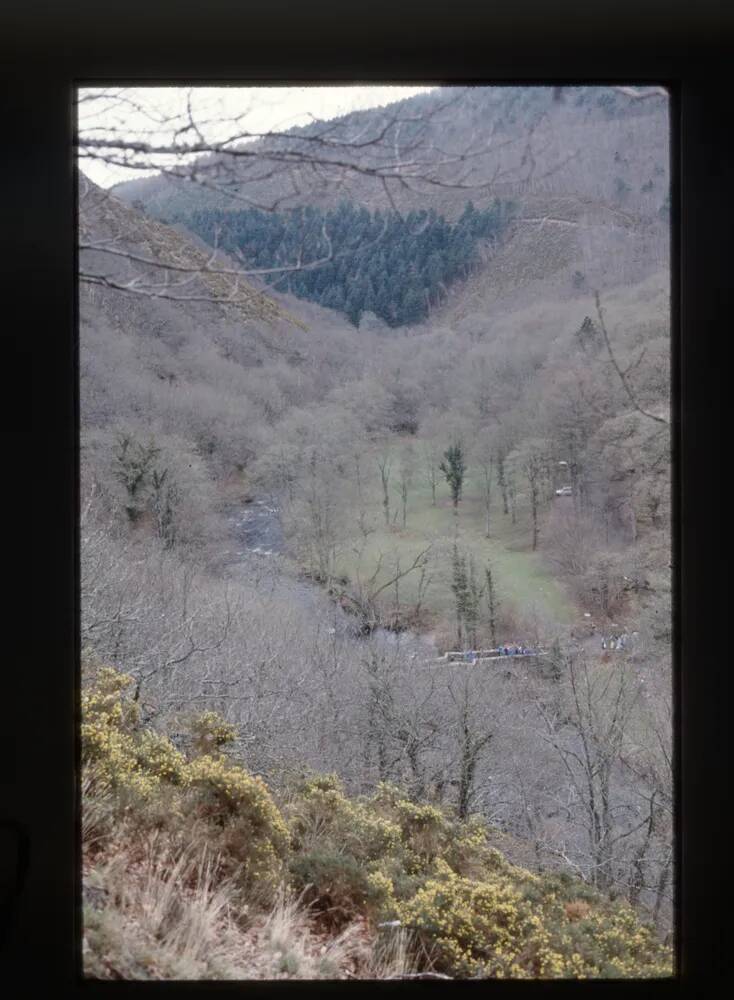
(471, 611)
(413, 307)
(460, 588)
(454, 468)
(492, 606)
(467, 596)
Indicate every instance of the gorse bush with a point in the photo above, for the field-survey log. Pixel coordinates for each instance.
(494, 927)
(323, 812)
(355, 861)
(241, 820)
(211, 732)
(474, 912)
(109, 743)
(474, 927)
(244, 824)
(340, 846)
(157, 756)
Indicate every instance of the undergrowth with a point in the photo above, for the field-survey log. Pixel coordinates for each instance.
(193, 870)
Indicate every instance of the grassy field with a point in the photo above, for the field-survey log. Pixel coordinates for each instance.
(525, 585)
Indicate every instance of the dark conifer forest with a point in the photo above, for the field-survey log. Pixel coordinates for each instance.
(395, 266)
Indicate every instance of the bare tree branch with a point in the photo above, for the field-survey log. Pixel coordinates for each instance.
(622, 374)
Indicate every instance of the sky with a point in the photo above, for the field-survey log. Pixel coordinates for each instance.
(154, 113)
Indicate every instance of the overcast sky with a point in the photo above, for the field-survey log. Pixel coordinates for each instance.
(156, 112)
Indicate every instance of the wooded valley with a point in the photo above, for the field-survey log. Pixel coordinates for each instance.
(388, 387)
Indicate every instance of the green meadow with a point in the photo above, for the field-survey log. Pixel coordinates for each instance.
(524, 583)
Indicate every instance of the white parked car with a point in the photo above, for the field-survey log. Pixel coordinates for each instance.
(565, 491)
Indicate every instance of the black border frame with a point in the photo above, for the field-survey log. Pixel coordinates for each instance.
(48, 52)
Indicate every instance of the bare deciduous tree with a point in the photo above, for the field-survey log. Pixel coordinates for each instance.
(623, 375)
(405, 481)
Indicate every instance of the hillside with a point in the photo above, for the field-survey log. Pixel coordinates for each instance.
(585, 177)
(513, 141)
(158, 364)
(206, 873)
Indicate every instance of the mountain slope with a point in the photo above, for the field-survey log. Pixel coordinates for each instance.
(202, 371)
(587, 176)
(476, 142)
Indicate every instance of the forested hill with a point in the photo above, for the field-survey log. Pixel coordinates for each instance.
(396, 267)
(591, 143)
(568, 188)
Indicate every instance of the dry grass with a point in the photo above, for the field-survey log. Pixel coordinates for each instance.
(295, 952)
(165, 918)
(393, 954)
(97, 824)
(178, 919)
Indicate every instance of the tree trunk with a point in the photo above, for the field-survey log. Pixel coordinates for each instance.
(662, 886)
(385, 496)
(502, 484)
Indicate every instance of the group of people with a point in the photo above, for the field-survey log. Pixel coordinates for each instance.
(513, 650)
(614, 642)
(509, 649)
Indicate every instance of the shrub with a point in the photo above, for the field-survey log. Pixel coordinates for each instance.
(144, 770)
(157, 756)
(475, 928)
(244, 824)
(343, 847)
(385, 857)
(429, 833)
(103, 699)
(323, 814)
(514, 924)
(606, 942)
(335, 884)
(109, 747)
(423, 828)
(211, 732)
